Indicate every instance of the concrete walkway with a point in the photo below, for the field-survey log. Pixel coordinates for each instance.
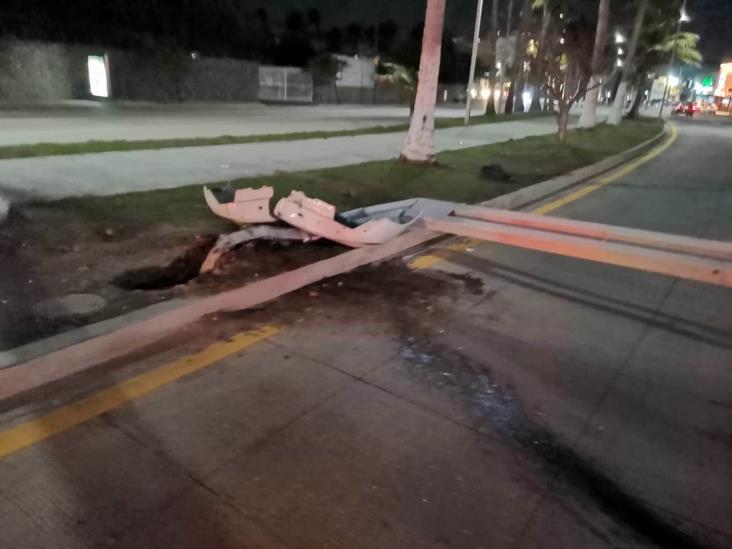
(80, 121)
(117, 172)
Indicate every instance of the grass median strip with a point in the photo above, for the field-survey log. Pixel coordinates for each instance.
(456, 178)
(89, 147)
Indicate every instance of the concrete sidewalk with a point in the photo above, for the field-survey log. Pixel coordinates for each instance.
(117, 172)
(90, 120)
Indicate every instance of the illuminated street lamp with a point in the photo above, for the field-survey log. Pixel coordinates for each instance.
(473, 57)
(619, 38)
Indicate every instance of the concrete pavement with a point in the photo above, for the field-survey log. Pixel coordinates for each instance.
(507, 399)
(117, 172)
(91, 120)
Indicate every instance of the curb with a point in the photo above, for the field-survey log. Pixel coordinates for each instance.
(527, 196)
(49, 360)
(4, 208)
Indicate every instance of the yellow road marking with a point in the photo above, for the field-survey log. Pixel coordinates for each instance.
(437, 255)
(29, 433)
(607, 179)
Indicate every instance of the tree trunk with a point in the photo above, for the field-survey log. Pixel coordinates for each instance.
(490, 108)
(587, 118)
(419, 147)
(508, 109)
(633, 112)
(536, 78)
(514, 89)
(562, 123)
(616, 111)
(502, 79)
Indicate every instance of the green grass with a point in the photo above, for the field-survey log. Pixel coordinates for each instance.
(87, 147)
(456, 178)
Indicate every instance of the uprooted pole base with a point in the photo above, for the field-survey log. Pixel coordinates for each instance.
(227, 242)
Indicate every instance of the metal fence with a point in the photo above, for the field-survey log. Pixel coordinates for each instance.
(285, 84)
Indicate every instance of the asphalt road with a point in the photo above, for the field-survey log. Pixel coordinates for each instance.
(505, 398)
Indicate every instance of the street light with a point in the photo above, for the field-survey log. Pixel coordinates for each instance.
(619, 38)
(683, 18)
(473, 57)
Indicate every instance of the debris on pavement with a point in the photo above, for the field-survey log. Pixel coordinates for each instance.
(242, 206)
(319, 218)
(227, 242)
(495, 172)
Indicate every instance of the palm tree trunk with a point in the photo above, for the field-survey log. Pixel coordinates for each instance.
(501, 80)
(588, 118)
(418, 147)
(616, 112)
(536, 77)
(642, 86)
(518, 59)
(490, 109)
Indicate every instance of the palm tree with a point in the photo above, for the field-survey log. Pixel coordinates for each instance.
(616, 111)
(493, 38)
(418, 146)
(587, 118)
(404, 81)
(519, 56)
(684, 46)
(535, 77)
(654, 53)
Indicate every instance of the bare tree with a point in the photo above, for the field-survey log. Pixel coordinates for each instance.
(616, 111)
(566, 62)
(587, 118)
(418, 146)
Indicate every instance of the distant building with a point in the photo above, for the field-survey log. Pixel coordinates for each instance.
(723, 89)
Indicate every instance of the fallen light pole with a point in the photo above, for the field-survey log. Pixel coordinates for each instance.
(694, 259)
(650, 239)
(307, 218)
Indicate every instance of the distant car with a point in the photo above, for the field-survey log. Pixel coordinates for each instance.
(685, 108)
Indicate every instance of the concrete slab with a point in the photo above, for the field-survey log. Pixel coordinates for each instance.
(675, 456)
(354, 346)
(75, 491)
(367, 469)
(270, 386)
(199, 518)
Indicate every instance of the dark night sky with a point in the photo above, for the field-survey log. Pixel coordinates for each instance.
(712, 19)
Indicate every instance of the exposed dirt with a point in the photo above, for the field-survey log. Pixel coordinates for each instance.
(46, 254)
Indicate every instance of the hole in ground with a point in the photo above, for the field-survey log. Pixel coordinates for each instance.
(182, 269)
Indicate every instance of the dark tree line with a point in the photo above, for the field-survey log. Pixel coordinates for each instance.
(225, 28)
